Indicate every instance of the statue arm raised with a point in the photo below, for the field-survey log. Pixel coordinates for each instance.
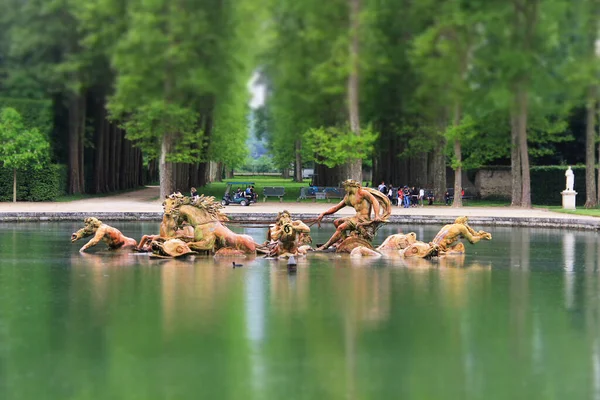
(332, 210)
(474, 237)
(471, 230)
(301, 227)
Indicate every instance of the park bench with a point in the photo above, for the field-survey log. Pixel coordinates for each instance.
(465, 197)
(334, 193)
(310, 192)
(273, 191)
(321, 193)
(317, 193)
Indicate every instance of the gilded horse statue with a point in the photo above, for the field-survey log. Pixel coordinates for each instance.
(168, 230)
(204, 214)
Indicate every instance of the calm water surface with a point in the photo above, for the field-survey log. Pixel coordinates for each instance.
(516, 318)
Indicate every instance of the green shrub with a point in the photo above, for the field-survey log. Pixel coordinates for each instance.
(548, 181)
(45, 184)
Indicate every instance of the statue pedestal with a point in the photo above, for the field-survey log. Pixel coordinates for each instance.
(568, 199)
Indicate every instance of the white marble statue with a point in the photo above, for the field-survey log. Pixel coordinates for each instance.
(570, 179)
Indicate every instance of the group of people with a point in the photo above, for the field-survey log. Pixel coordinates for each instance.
(249, 193)
(405, 196)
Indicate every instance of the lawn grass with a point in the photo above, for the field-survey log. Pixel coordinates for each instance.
(292, 189)
(292, 192)
(592, 212)
(486, 203)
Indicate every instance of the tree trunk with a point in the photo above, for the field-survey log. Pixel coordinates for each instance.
(208, 172)
(598, 174)
(298, 162)
(99, 146)
(74, 138)
(14, 185)
(439, 169)
(81, 129)
(457, 202)
(106, 157)
(515, 161)
(165, 171)
(213, 172)
(523, 150)
(590, 155)
(325, 176)
(112, 181)
(119, 145)
(525, 22)
(354, 167)
(421, 178)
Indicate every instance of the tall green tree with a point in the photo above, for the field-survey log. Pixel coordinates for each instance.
(303, 71)
(521, 61)
(354, 165)
(443, 54)
(21, 148)
(174, 67)
(45, 45)
(584, 73)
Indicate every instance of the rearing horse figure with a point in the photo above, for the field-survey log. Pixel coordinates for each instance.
(204, 214)
(168, 230)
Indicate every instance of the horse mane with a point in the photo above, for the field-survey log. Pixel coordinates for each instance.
(207, 204)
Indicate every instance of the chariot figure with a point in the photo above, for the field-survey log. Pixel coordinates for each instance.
(373, 208)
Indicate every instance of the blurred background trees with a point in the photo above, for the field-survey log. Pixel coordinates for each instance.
(131, 92)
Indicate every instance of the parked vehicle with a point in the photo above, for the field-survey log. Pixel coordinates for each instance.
(244, 194)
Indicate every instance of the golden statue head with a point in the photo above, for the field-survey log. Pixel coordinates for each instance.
(172, 203)
(348, 183)
(91, 226)
(461, 220)
(283, 217)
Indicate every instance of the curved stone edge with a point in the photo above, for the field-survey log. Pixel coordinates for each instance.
(78, 216)
(267, 218)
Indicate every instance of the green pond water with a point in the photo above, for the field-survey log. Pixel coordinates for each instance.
(516, 318)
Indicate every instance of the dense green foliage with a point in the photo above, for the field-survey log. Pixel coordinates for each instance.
(34, 113)
(21, 147)
(136, 89)
(42, 184)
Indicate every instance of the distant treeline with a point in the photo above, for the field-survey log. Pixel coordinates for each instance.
(131, 91)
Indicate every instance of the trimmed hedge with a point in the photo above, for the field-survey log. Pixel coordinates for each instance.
(45, 184)
(548, 181)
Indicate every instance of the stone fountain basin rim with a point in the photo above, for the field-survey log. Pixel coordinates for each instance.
(266, 218)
